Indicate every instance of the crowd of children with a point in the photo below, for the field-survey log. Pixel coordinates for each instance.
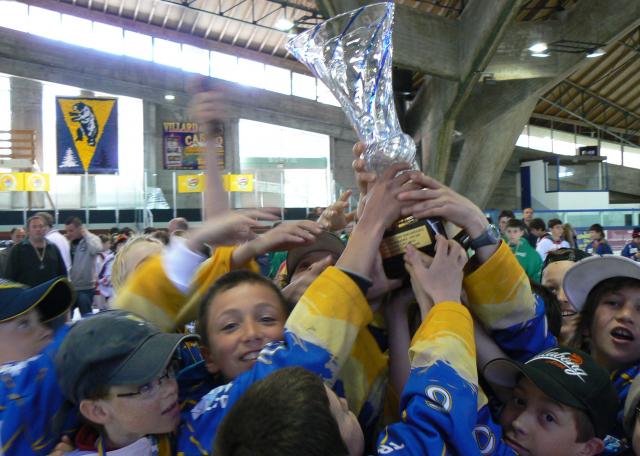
(204, 354)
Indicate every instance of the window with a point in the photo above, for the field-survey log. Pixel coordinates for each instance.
(167, 52)
(632, 157)
(523, 139)
(612, 151)
(195, 60)
(325, 95)
(108, 38)
(224, 66)
(563, 143)
(277, 79)
(250, 73)
(77, 31)
(277, 155)
(138, 45)
(44, 23)
(540, 138)
(303, 86)
(14, 15)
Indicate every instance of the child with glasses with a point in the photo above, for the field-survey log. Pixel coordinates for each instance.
(120, 371)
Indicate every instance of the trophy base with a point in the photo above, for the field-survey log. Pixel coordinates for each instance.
(421, 233)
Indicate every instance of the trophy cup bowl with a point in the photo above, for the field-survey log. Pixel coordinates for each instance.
(351, 54)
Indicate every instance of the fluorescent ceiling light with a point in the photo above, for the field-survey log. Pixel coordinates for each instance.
(169, 97)
(538, 48)
(540, 54)
(284, 24)
(596, 53)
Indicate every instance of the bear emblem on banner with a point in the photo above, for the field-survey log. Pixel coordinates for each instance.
(87, 135)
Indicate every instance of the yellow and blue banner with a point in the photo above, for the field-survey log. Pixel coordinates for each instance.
(191, 183)
(36, 182)
(87, 135)
(24, 182)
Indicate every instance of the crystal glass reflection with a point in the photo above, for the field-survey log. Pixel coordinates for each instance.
(351, 53)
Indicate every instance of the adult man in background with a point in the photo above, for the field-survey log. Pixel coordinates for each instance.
(17, 235)
(34, 260)
(179, 224)
(527, 215)
(55, 237)
(85, 248)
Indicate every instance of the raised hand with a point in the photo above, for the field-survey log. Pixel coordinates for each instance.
(334, 217)
(228, 228)
(442, 281)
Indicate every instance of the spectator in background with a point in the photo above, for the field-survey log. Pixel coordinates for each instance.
(35, 260)
(525, 254)
(17, 235)
(598, 244)
(632, 249)
(503, 218)
(85, 247)
(569, 235)
(527, 215)
(55, 237)
(177, 224)
(551, 240)
(128, 232)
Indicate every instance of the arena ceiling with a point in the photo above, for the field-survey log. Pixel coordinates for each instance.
(604, 93)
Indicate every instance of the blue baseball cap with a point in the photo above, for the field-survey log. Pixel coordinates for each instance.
(52, 299)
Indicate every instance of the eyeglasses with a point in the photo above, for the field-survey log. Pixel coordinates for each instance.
(150, 389)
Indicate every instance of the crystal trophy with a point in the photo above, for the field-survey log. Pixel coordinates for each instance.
(351, 54)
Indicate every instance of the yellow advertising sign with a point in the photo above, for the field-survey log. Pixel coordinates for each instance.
(36, 182)
(11, 182)
(191, 183)
(238, 182)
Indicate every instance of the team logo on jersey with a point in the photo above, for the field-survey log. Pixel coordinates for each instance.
(438, 398)
(485, 439)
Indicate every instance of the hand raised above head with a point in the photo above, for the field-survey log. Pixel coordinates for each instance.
(433, 199)
(442, 281)
(335, 217)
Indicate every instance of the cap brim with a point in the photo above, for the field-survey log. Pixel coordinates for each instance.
(587, 273)
(325, 241)
(148, 361)
(504, 373)
(51, 298)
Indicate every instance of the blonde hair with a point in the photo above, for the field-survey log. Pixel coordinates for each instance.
(120, 271)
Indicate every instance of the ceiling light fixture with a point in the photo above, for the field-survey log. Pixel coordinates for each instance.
(284, 24)
(596, 53)
(538, 48)
(169, 97)
(539, 54)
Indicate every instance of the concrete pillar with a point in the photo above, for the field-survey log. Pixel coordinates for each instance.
(26, 114)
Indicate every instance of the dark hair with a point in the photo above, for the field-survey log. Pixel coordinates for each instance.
(149, 230)
(564, 254)
(127, 231)
(506, 213)
(551, 307)
(554, 222)
(226, 282)
(114, 230)
(162, 236)
(285, 414)
(537, 224)
(582, 337)
(597, 228)
(46, 218)
(515, 223)
(75, 221)
(32, 218)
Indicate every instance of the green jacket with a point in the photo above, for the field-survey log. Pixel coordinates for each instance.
(528, 258)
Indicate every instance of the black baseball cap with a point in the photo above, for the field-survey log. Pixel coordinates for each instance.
(110, 348)
(325, 241)
(568, 376)
(52, 299)
(564, 254)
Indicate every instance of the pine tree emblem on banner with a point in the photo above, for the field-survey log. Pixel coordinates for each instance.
(87, 135)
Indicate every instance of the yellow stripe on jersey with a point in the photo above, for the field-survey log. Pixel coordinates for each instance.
(446, 335)
(499, 292)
